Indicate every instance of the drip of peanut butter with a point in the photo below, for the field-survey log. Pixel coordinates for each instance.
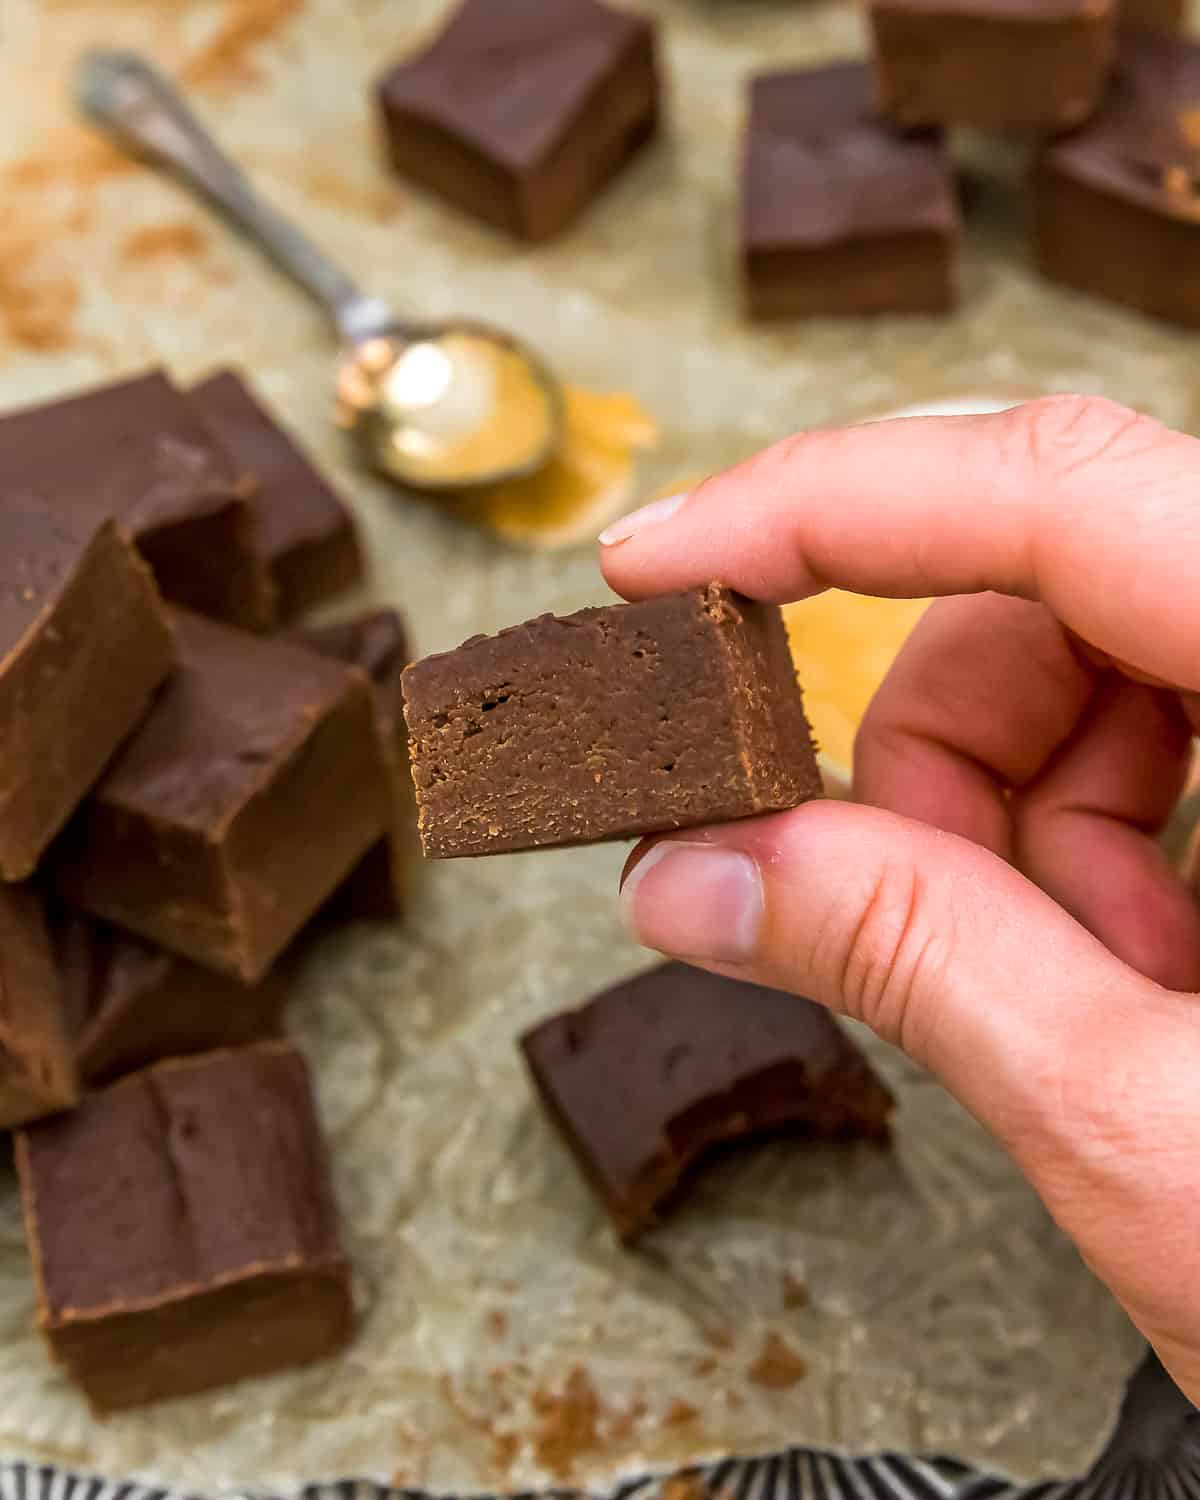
(586, 484)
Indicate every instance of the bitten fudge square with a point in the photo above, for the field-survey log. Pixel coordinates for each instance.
(137, 451)
(521, 112)
(38, 1075)
(1115, 206)
(608, 724)
(653, 1074)
(842, 215)
(183, 1229)
(304, 533)
(242, 801)
(84, 643)
(997, 64)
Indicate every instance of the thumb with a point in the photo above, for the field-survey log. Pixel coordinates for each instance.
(1082, 1068)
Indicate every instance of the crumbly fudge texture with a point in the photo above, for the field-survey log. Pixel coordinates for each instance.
(138, 452)
(84, 642)
(607, 724)
(38, 1075)
(1115, 206)
(183, 1229)
(247, 795)
(1019, 64)
(654, 1073)
(842, 214)
(521, 113)
(303, 530)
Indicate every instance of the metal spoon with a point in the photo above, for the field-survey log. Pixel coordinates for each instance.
(442, 406)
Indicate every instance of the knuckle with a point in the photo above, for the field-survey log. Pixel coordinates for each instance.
(1062, 434)
(890, 960)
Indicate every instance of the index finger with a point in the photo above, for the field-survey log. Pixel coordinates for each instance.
(1084, 505)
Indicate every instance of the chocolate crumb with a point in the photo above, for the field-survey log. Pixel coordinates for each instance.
(778, 1367)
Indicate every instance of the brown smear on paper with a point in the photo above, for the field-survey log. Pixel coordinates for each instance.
(225, 57)
(154, 241)
(587, 483)
(569, 1424)
(778, 1366)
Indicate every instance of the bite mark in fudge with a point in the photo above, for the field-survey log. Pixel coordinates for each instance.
(245, 797)
(137, 452)
(654, 1073)
(183, 1229)
(521, 113)
(1020, 64)
(38, 1075)
(303, 530)
(1116, 204)
(842, 214)
(378, 643)
(608, 724)
(84, 642)
(129, 1005)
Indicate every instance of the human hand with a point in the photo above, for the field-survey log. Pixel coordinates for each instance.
(997, 904)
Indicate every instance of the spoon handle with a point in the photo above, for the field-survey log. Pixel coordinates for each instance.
(147, 117)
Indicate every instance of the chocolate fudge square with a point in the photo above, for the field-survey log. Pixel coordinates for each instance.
(137, 452)
(129, 1004)
(608, 724)
(38, 1075)
(841, 214)
(376, 641)
(183, 1229)
(1021, 64)
(304, 533)
(655, 1073)
(1115, 206)
(521, 112)
(247, 795)
(84, 643)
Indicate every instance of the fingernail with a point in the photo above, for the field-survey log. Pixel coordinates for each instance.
(637, 520)
(698, 901)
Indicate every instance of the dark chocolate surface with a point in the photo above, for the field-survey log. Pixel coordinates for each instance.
(304, 529)
(245, 797)
(138, 452)
(520, 113)
(655, 1072)
(84, 642)
(38, 1075)
(822, 167)
(606, 724)
(129, 1004)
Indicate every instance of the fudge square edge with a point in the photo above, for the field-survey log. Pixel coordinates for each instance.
(611, 723)
(246, 796)
(183, 1229)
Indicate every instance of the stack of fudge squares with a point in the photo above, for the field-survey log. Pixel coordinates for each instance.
(189, 779)
(521, 113)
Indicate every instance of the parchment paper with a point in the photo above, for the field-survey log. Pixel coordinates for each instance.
(933, 1304)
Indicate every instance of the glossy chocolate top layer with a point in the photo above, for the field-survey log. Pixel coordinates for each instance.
(509, 77)
(822, 167)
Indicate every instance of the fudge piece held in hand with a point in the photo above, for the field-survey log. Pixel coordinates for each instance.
(138, 452)
(84, 642)
(38, 1075)
(378, 643)
(1022, 64)
(1116, 205)
(655, 1072)
(247, 795)
(520, 113)
(129, 1005)
(608, 724)
(304, 533)
(841, 214)
(183, 1229)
